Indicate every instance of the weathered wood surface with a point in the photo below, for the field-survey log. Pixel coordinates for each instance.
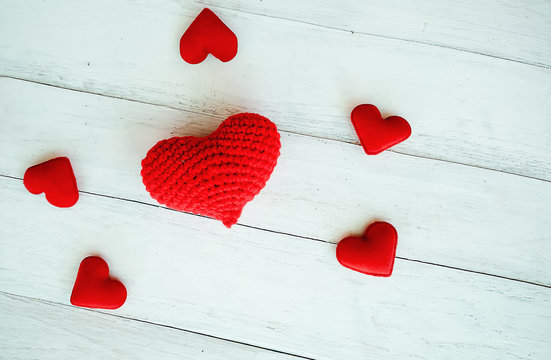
(469, 192)
(463, 107)
(445, 213)
(37, 329)
(509, 29)
(271, 290)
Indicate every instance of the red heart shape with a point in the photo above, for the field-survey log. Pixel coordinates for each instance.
(94, 288)
(56, 179)
(216, 175)
(377, 134)
(208, 34)
(371, 254)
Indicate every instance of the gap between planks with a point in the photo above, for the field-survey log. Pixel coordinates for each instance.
(361, 33)
(301, 237)
(96, 311)
(283, 131)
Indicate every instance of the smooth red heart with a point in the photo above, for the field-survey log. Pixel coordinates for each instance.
(216, 175)
(94, 288)
(377, 134)
(56, 179)
(371, 254)
(207, 34)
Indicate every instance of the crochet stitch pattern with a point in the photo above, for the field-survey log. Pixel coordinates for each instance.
(216, 175)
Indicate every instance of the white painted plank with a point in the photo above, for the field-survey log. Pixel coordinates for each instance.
(463, 107)
(445, 213)
(34, 329)
(267, 289)
(511, 29)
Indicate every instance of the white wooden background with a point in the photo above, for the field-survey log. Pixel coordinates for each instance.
(469, 193)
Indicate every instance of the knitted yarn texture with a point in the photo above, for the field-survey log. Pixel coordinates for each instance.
(216, 175)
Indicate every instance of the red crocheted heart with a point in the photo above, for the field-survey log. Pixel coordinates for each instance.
(94, 288)
(377, 134)
(373, 253)
(208, 34)
(215, 175)
(56, 179)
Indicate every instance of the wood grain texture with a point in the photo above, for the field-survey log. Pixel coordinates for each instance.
(510, 29)
(445, 213)
(35, 329)
(463, 107)
(271, 290)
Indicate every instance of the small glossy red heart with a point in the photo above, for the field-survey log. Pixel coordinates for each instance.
(371, 254)
(377, 134)
(54, 178)
(216, 175)
(207, 34)
(94, 288)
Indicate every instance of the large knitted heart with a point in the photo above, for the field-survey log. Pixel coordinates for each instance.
(215, 175)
